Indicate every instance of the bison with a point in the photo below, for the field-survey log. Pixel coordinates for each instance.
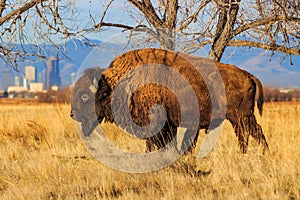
(236, 103)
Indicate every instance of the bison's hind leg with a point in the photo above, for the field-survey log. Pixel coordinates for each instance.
(239, 126)
(243, 137)
(246, 125)
(256, 132)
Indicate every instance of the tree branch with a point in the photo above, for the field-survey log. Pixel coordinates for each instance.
(2, 6)
(172, 14)
(126, 27)
(283, 49)
(98, 26)
(224, 29)
(19, 11)
(193, 16)
(147, 9)
(263, 22)
(105, 11)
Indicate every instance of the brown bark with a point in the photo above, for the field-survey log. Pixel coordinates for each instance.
(244, 43)
(147, 9)
(19, 11)
(2, 6)
(164, 27)
(224, 32)
(267, 28)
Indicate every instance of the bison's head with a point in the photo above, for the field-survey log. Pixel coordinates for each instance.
(83, 102)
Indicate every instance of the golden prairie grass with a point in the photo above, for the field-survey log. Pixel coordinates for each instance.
(42, 157)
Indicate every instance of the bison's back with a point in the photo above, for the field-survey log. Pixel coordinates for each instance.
(217, 86)
(177, 77)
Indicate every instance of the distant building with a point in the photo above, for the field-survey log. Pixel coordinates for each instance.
(6, 79)
(285, 90)
(52, 73)
(17, 81)
(36, 87)
(54, 88)
(30, 73)
(15, 89)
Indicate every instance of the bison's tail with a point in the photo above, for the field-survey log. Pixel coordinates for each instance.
(260, 100)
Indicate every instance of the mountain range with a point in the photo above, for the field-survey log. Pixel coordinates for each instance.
(78, 56)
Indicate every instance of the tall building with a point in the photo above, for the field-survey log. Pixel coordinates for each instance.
(25, 83)
(52, 73)
(30, 73)
(6, 79)
(17, 81)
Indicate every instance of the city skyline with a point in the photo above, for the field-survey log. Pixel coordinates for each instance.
(31, 80)
(52, 74)
(272, 72)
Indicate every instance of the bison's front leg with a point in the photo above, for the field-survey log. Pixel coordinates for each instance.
(162, 139)
(189, 140)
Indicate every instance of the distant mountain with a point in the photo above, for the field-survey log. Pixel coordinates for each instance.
(79, 56)
(272, 71)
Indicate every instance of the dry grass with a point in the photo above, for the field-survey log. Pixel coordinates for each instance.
(42, 157)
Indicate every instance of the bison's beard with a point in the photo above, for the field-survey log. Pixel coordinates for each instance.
(88, 126)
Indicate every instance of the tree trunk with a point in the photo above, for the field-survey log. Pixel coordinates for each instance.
(164, 26)
(166, 39)
(224, 31)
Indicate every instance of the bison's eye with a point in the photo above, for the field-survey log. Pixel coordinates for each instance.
(85, 97)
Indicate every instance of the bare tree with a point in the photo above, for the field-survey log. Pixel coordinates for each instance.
(184, 25)
(272, 25)
(160, 20)
(37, 23)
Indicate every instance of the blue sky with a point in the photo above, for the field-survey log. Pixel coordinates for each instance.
(273, 73)
(117, 13)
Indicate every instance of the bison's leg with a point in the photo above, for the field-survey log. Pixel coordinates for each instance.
(244, 126)
(156, 142)
(256, 131)
(243, 137)
(239, 125)
(212, 134)
(161, 139)
(150, 145)
(189, 140)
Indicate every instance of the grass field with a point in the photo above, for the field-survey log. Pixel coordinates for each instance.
(42, 157)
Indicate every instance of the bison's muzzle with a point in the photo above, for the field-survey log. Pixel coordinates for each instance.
(87, 125)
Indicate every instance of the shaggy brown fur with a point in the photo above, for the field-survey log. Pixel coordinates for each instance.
(240, 87)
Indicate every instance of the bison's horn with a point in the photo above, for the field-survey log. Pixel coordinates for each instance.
(95, 83)
(94, 86)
